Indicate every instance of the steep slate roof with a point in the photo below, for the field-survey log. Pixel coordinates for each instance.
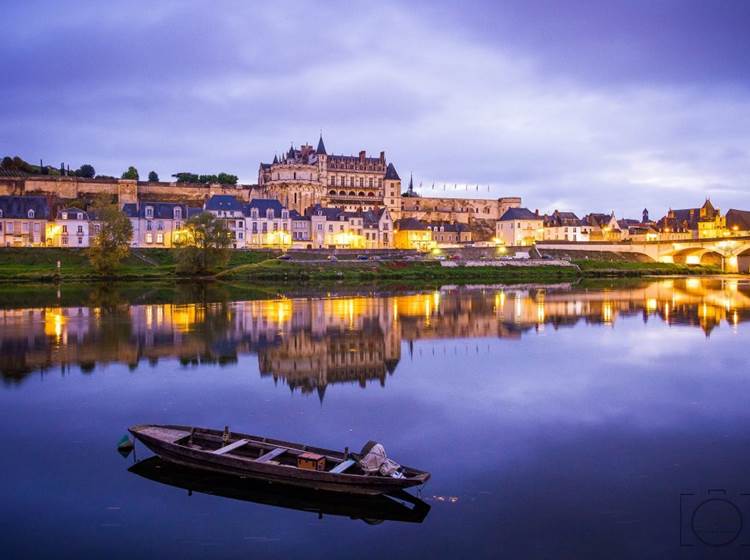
(558, 219)
(739, 218)
(162, 210)
(223, 202)
(411, 224)
(331, 213)
(296, 216)
(72, 213)
(321, 150)
(371, 218)
(519, 214)
(194, 211)
(263, 205)
(19, 206)
(390, 173)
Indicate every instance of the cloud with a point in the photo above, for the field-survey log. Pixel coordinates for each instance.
(223, 87)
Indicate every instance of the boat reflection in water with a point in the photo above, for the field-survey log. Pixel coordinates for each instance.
(399, 506)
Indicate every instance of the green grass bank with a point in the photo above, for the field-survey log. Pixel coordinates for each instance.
(18, 265)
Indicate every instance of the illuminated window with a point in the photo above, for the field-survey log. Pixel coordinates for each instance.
(149, 238)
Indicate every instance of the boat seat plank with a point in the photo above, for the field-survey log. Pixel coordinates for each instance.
(231, 447)
(271, 455)
(341, 467)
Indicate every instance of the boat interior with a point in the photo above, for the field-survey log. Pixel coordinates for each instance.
(260, 450)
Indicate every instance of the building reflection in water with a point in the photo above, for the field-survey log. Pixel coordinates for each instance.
(310, 343)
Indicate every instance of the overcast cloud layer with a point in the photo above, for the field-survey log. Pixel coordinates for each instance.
(588, 106)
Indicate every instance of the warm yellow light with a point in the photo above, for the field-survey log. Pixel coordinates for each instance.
(693, 259)
(651, 304)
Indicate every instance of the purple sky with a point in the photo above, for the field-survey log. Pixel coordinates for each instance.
(588, 106)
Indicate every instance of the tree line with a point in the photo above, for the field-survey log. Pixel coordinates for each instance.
(87, 171)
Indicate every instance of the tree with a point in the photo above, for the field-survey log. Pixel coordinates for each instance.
(131, 173)
(227, 179)
(153, 177)
(204, 245)
(86, 171)
(112, 244)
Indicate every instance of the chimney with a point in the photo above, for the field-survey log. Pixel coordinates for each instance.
(536, 211)
(362, 156)
(382, 156)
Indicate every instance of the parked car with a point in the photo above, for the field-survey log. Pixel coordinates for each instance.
(363, 258)
(332, 258)
(285, 257)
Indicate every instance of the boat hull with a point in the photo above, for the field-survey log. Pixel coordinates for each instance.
(233, 465)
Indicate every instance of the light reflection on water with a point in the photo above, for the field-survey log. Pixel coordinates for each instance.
(556, 421)
(311, 342)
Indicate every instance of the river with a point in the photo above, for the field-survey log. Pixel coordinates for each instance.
(608, 418)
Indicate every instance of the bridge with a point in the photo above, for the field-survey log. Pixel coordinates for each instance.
(732, 254)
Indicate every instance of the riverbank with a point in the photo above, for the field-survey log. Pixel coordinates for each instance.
(41, 265)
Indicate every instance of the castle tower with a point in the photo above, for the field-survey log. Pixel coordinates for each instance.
(392, 192)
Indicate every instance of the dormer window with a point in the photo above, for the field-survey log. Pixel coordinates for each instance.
(149, 211)
(254, 213)
(178, 213)
(80, 215)
(269, 214)
(64, 215)
(285, 214)
(1, 213)
(30, 214)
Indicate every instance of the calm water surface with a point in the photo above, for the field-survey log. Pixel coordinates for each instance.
(563, 421)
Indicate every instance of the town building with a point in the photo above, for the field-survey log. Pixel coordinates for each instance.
(450, 233)
(564, 226)
(23, 221)
(520, 227)
(414, 234)
(71, 228)
(702, 223)
(305, 177)
(602, 227)
(337, 228)
(738, 222)
(231, 211)
(300, 229)
(267, 224)
(157, 224)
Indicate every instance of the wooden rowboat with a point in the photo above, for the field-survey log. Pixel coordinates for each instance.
(271, 459)
(399, 506)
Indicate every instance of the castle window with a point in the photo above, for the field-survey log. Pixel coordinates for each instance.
(80, 216)
(65, 229)
(342, 193)
(149, 212)
(269, 213)
(332, 180)
(294, 175)
(160, 238)
(369, 182)
(361, 182)
(160, 226)
(64, 215)
(332, 192)
(361, 193)
(178, 213)
(352, 193)
(31, 214)
(285, 214)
